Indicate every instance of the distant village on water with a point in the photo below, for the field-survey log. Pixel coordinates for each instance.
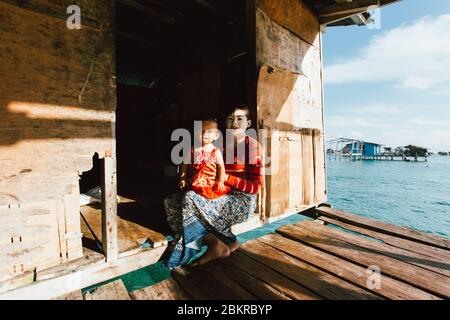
(352, 149)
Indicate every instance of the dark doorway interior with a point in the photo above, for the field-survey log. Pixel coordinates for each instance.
(177, 61)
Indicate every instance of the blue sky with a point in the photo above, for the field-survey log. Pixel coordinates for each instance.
(391, 85)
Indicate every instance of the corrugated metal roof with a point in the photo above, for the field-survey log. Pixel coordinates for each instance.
(136, 78)
(344, 12)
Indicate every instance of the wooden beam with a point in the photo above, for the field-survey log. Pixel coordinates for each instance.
(347, 7)
(338, 17)
(344, 10)
(149, 11)
(109, 208)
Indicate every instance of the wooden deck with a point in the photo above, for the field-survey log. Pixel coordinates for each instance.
(311, 260)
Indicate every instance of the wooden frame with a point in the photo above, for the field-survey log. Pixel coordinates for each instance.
(95, 272)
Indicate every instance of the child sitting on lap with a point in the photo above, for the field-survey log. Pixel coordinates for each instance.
(206, 174)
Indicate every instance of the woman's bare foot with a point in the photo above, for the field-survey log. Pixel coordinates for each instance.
(233, 246)
(216, 250)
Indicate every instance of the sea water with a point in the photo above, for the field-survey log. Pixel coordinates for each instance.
(410, 194)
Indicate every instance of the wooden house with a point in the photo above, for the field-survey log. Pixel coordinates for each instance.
(95, 105)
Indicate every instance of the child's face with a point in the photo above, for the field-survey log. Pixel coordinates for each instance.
(210, 133)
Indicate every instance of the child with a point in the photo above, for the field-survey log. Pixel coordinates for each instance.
(206, 174)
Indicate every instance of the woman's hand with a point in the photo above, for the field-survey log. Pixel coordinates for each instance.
(221, 186)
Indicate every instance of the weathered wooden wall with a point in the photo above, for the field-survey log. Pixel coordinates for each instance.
(57, 101)
(290, 103)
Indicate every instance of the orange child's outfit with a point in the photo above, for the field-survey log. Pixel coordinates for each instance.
(204, 173)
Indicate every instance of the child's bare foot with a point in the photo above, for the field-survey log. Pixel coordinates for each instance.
(216, 250)
(233, 246)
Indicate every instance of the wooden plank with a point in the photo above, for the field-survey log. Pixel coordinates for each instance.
(111, 291)
(426, 280)
(390, 288)
(320, 193)
(197, 282)
(164, 290)
(436, 253)
(29, 238)
(276, 187)
(74, 295)
(259, 289)
(289, 101)
(109, 208)
(382, 227)
(411, 257)
(312, 278)
(60, 285)
(307, 167)
(90, 258)
(294, 16)
(131, 236)
(294, 140)
(17, 282)
(272, 278)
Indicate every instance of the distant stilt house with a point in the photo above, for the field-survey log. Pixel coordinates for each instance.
(371, 149)
(415, 151)
(345, 148)
(354, 149)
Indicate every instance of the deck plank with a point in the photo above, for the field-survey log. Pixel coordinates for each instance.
(390, 288)
(436, 253)
(411, 257)
(260, 290)
(202, 284)
(272, 278)
(111, 291)
(386, 228)
(164, 290)
(424, 279)
(314, 279)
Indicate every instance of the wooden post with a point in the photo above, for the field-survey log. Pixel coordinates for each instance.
(109, 208)
(109, 198)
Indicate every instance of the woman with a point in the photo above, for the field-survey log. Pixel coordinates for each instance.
(196, 220)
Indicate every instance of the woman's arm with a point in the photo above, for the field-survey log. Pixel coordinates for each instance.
(252, 179)
(252, 186)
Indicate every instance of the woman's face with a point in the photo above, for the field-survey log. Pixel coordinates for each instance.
(238, 122)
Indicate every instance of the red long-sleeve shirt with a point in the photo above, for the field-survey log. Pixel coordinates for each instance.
(246, 172)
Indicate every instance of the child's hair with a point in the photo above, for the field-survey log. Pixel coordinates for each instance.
(210, 120)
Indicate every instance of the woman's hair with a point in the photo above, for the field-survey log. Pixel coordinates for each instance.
(240, 106)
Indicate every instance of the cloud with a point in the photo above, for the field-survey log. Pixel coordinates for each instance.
(411, 56)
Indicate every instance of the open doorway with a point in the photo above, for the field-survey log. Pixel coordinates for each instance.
(177, 61)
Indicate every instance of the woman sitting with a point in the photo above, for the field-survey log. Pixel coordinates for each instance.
(196, 220)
